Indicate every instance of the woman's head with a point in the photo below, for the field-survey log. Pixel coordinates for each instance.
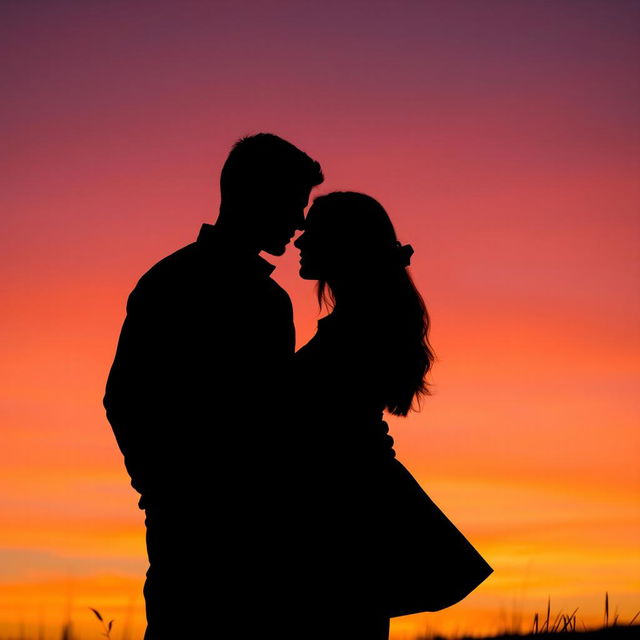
(350, 247)
(347, 235)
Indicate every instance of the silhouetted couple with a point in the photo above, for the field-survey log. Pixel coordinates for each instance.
(274, 502)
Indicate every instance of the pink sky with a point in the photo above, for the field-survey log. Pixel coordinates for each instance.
(503, 140)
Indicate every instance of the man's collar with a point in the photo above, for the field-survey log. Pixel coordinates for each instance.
(212, 235)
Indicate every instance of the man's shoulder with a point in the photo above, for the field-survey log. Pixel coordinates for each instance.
(199, 268)
(172, 266)
(168, 276)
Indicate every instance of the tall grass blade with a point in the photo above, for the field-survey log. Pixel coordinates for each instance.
(546, 623)
(569, 620)
(556, 622)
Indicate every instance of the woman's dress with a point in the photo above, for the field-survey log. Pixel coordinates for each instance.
(370, 538)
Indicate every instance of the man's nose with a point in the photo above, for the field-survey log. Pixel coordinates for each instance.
(299, 222)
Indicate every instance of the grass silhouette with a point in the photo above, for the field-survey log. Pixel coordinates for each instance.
(107, 626)
(559, 624)
(549, 626)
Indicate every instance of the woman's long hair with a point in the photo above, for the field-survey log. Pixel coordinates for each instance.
(402, 324)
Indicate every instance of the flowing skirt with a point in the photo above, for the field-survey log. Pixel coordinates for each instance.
(433, 565)
(375, 540)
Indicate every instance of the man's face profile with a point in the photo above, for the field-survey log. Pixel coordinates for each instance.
(281, 214)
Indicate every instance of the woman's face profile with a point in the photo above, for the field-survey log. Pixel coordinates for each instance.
(346, 236)
(324, 250)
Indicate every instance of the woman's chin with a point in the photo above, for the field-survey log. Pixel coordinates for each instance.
(307, 274)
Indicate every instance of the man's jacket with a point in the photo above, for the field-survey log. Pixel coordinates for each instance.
(198, 382)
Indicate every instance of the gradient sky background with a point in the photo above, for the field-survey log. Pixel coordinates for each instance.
(503, 139)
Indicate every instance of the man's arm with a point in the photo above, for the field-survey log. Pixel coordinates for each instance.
(129, 389)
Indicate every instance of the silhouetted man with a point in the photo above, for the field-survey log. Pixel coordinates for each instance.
(194, 396)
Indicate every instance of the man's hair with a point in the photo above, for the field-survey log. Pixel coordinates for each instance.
(257, 161)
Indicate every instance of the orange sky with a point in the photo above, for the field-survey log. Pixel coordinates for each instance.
(503, 140)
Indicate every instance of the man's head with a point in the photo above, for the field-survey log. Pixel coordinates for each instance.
(265, 185)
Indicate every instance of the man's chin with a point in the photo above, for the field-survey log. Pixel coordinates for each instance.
(275, 250)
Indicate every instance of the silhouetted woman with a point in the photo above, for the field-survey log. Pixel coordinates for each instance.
(372, 544)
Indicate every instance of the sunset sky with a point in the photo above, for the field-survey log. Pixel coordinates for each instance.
(503, 138)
